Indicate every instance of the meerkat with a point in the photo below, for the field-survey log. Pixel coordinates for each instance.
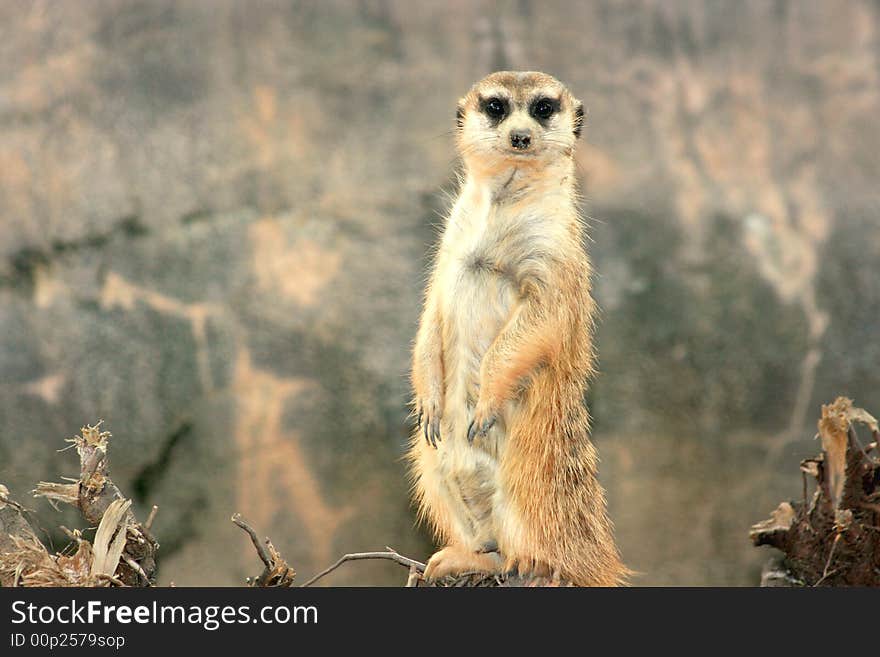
(501, 460)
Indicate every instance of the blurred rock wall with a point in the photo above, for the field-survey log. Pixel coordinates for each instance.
(215, 220)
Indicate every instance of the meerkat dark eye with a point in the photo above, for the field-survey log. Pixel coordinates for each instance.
(543, 108)
(495, 108)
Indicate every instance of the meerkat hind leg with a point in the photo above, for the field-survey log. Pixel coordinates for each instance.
(456, 560)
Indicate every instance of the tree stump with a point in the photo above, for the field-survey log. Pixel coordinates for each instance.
(834, 538)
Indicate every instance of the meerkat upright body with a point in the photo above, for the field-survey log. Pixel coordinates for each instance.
(502, 464)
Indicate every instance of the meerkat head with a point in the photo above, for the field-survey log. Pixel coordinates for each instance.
(514, 118)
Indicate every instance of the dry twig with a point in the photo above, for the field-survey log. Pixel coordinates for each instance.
(390, 555)
(277, 572)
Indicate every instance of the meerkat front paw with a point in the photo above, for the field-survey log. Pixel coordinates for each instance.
(484, 420)
(428, 421)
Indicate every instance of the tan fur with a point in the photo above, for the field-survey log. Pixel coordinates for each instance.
(505, 341)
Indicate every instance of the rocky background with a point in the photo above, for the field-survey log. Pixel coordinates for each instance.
(214, 221)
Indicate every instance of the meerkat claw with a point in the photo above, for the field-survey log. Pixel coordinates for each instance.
(431, 430)
(480, 430)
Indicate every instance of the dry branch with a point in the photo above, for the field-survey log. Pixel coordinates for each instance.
(276, 571)
(388, 554)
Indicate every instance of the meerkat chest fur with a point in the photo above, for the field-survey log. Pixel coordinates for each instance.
(494, 245)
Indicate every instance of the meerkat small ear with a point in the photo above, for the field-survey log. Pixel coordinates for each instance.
(459, 115)
(578, 118)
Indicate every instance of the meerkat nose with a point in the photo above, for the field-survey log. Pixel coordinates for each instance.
(520, 139)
